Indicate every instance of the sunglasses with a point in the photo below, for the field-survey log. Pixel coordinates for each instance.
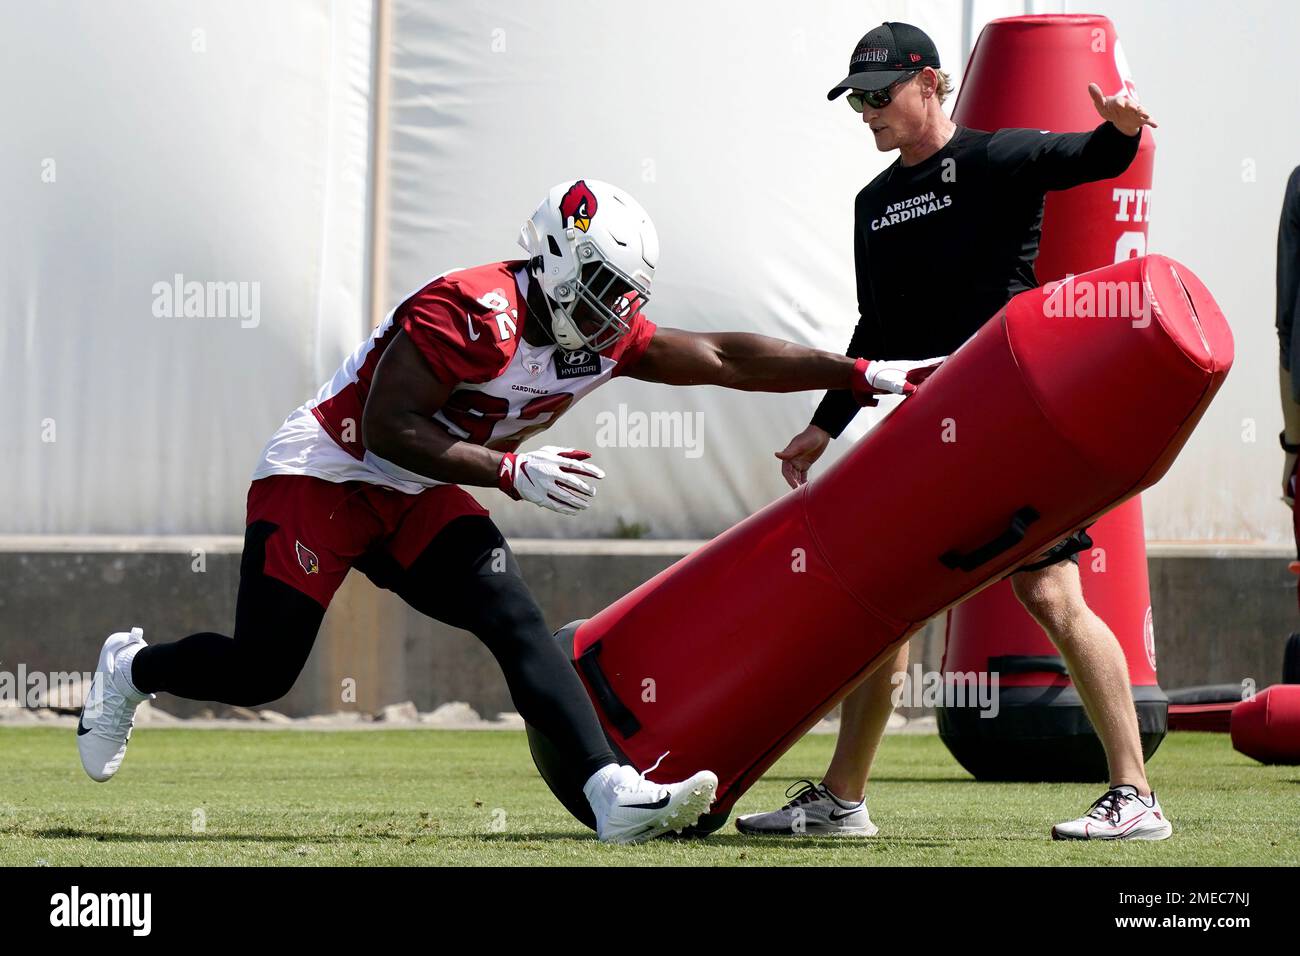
(876, 99)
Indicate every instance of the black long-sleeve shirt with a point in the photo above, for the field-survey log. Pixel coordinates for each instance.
(1288, 277)
(941, 246)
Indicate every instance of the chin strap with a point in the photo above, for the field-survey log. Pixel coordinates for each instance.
(565, 319)
(534, 266)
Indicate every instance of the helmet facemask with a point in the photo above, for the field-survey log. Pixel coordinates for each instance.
(595, 308)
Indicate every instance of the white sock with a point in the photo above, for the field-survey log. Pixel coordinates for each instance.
(600, 781)
(124, 668)
(846, 804)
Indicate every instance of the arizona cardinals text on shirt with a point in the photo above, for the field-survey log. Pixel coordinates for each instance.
(911, 208)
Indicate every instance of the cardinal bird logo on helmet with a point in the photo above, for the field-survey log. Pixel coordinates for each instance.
(578, 206)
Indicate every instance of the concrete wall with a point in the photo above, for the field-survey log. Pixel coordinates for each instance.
(1222, 614)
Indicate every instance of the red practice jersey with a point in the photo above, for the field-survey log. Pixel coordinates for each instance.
(468, 325)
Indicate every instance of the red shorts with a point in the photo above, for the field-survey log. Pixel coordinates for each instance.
(323, 527)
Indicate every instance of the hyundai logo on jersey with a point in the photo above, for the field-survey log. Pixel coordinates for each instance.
(577, 363)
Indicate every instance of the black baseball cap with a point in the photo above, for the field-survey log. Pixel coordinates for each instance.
(886, 55)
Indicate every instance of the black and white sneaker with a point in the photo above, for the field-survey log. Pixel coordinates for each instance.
(812, 811)
(631, 809)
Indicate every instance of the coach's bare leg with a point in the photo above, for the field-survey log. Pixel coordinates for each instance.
(864, 714)
(1098, 668)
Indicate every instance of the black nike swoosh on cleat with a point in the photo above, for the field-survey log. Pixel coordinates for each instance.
(837, 817)
(657, 805)
(82, 729)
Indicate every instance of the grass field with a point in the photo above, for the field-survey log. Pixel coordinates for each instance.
(444, 797)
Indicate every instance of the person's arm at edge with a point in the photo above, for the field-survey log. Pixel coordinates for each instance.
(1290, 430)
(1288, 294)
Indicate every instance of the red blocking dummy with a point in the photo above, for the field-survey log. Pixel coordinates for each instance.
(726, 658)
(1267, 727)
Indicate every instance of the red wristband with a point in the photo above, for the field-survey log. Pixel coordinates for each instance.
(864, 393)
(506, 475)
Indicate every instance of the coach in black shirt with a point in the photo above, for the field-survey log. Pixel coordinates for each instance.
(941, 245)
(943, 238)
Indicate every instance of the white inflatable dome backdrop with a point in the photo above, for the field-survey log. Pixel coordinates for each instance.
(230, 144)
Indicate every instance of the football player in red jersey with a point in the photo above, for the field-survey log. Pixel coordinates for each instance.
(368, 475)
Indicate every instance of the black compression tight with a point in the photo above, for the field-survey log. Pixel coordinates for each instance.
(275, 628)
(467, 577)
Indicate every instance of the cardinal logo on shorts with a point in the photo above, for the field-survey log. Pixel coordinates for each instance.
(307, 558)
(578, 206)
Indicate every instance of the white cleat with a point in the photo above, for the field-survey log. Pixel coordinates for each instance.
(1121, 813)
(108, 711)
(631, 809)
(813, 811)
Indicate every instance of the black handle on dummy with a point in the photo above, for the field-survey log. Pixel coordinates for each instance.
(1014, 534)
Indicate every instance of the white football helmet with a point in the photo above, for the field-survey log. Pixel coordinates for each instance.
(593, 249)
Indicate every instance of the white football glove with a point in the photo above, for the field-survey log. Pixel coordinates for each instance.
(895, 377)
(549, 477)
